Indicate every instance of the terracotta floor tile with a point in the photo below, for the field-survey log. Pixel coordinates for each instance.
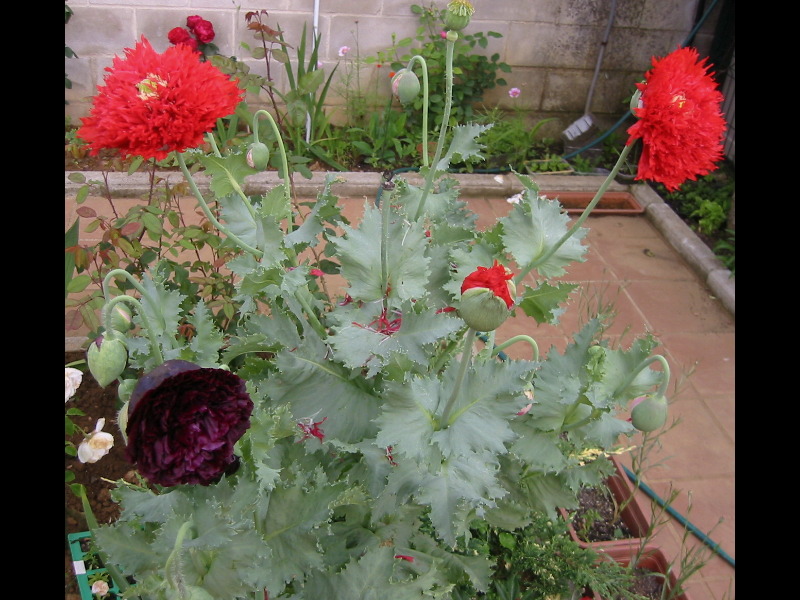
(709, 357)
(679, 307)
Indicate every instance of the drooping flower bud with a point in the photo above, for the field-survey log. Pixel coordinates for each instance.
(405, 85)
(487, 297)
(121, 319)
(106, 359)
(258, 156)
(458, 14)
(649, 413)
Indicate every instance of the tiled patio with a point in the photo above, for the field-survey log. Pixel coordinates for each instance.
(634, 269)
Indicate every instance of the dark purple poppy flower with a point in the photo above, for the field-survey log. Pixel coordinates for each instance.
(183, 421)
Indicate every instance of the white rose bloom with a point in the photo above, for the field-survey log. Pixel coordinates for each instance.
(72, 379)
(96, 445)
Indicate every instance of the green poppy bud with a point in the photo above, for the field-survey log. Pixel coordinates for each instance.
(405, 85)
(125, 389)
(122, 419)
(106, 359)
(458, 14)
(482, 310)
(121, 319)
(258, 156)
(192, 592)
(649, 413)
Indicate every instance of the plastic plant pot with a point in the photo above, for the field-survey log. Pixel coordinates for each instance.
(84, 575)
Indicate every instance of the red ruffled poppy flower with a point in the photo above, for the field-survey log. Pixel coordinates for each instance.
(679, 120)
(494, 278)
(152, 104)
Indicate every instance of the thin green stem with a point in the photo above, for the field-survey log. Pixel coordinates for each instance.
(386, 207)
(448, 103)
(207, 211)
(145, 320)
(287, 190)
(107, 293)
(174, 556)
(301, 295)
(663, 384)
(661, 391)
(514, 340)
(425, 92)
(584, 215)
(213, 143)
(466, 359)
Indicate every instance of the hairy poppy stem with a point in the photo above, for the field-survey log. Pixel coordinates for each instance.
(145, 320)
(584, 215)
(207, 211)
(466, 359)
(448, 103)
(424, 64)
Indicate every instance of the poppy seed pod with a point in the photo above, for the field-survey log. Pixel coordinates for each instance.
(405, 85)
(258, 156)
(106, 360)
(650, 413)
(458, 14)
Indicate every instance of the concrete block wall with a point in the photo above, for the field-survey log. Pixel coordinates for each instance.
(551, 45)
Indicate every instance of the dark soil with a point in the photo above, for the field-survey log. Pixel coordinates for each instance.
(99, 477)
(598, 518)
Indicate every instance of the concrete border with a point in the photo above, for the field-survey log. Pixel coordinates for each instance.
(355, 184)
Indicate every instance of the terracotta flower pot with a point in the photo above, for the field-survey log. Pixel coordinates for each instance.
(631, 515)
(651, 559)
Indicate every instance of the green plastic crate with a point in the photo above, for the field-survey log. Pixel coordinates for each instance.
(79, 566)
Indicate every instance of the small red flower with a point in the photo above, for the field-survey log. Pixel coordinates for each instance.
(152, 104)
(679, 120)
(311, 429)
(179, 35)
(404, 557)
(493, 278)
(316, 272)
(201, 28)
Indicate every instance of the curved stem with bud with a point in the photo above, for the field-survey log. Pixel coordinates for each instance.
(448, 103)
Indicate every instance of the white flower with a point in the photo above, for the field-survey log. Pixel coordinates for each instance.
(100, 587)
(515, 199)
(344, 50)
(95, 445)
(72, 379)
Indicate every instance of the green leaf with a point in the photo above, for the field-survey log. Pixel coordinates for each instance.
(227, 173)
(70, 239)
(359, 252)
(532, 229)
(307, 376)
(78, 284)
(463, 146)
(207, 338)
(543, 302)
